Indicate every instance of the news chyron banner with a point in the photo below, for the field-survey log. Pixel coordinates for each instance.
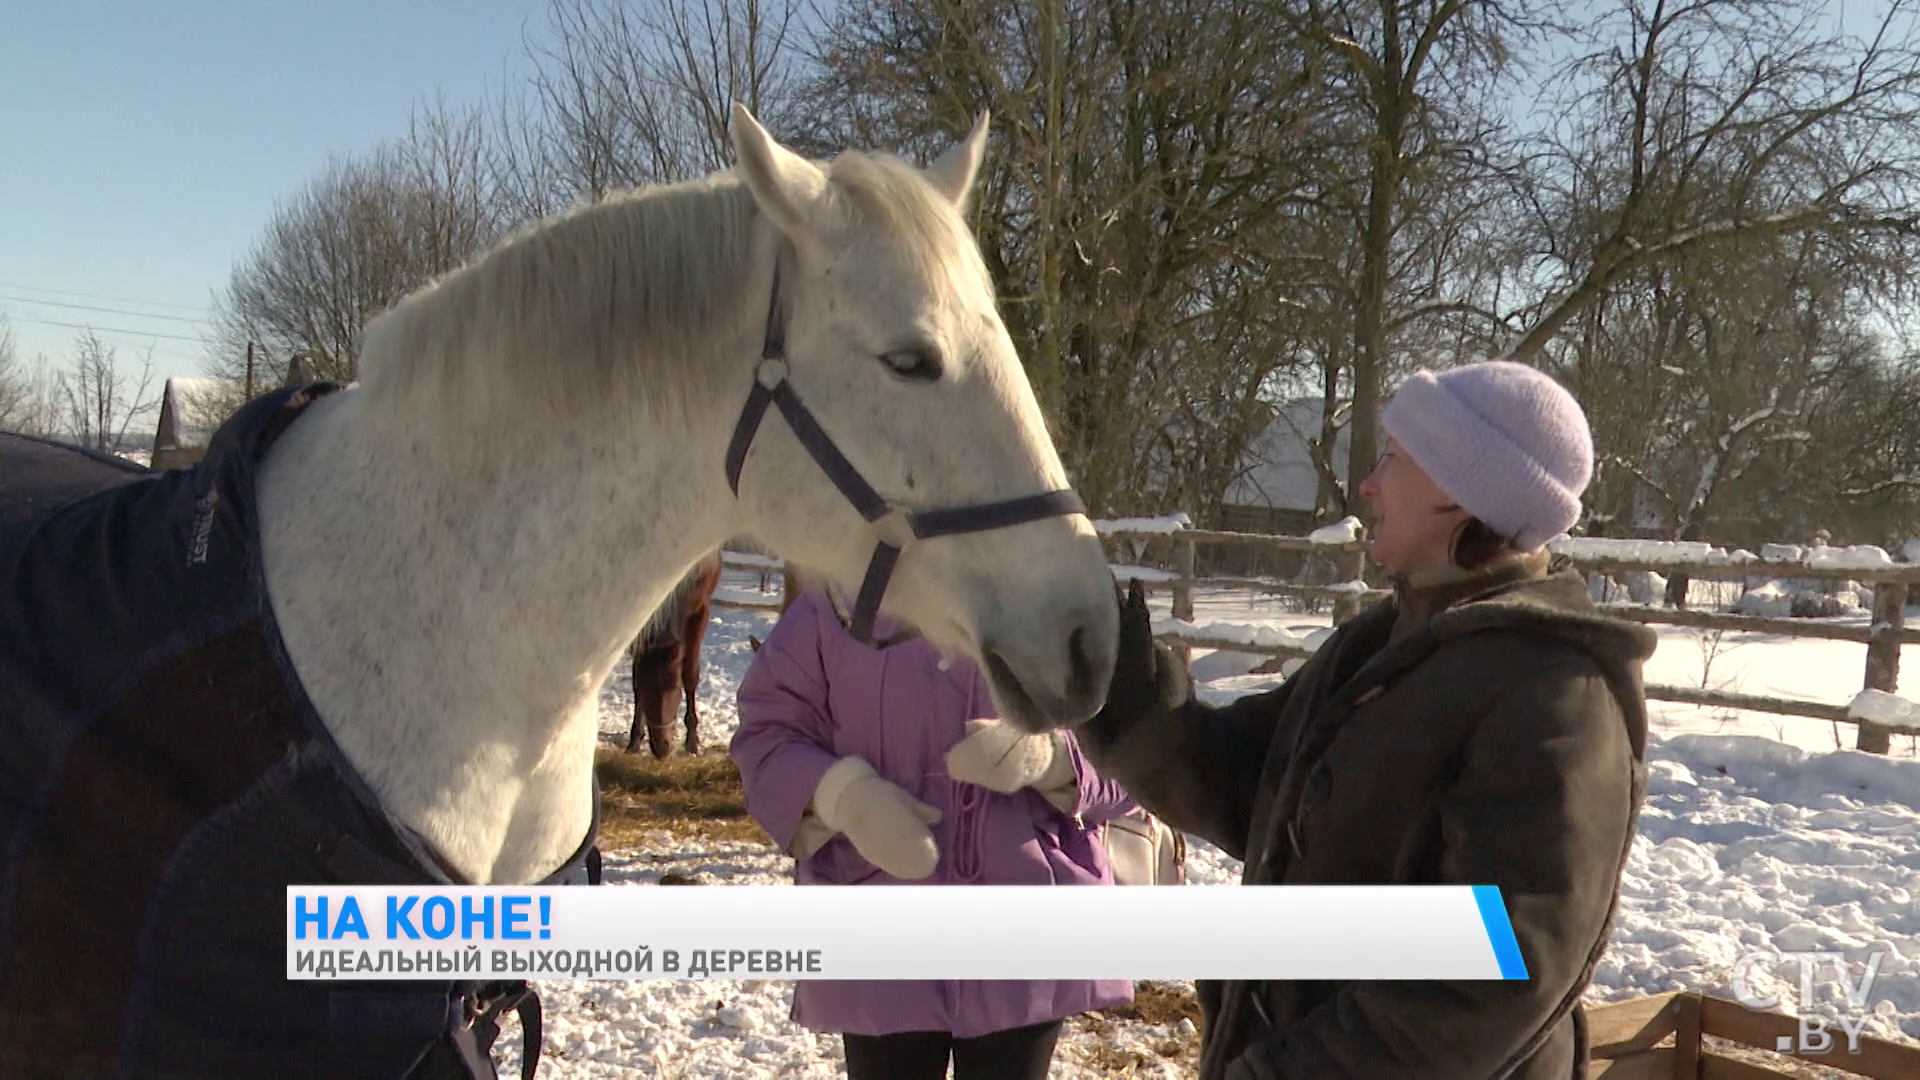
(903, 932)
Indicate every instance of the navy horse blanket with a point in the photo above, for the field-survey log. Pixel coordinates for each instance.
(163, 779)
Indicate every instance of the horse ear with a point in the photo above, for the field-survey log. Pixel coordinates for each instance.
(953, 174)
(785, 184)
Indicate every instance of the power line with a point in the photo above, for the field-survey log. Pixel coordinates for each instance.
(97, 296)
(108, 329)
(90, 307)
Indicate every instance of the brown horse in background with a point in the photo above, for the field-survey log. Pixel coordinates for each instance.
(666, 662)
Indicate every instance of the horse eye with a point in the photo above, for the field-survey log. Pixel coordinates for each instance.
(917, 365)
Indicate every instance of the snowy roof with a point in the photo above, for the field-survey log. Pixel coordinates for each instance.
(198, 405)
(1279, 473)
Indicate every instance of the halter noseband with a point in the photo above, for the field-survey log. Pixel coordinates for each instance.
(896, 525)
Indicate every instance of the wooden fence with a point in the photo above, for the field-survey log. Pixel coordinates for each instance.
(1882, 638)
(1689, 1036)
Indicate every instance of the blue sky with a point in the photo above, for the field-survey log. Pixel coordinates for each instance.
(142, 145)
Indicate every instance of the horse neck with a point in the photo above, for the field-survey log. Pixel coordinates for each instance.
(453, 605)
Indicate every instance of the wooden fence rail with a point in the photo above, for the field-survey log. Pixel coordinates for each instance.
(1690, 1036)
(1882, 638)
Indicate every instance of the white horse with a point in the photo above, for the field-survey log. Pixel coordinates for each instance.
(458, 549)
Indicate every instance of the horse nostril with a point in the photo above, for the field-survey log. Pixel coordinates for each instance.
(1080, 678)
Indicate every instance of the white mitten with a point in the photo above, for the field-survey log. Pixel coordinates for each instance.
(998, 756)
(887, 826)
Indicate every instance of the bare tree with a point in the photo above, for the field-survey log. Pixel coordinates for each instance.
(14, 388)
(29, 391)
(1140, 212)
(1747, 397)
(1860, 476)
(1696, 124)
(1421, 83)
(101, 403)
(368, 231)
(527, 173)
(630, 92)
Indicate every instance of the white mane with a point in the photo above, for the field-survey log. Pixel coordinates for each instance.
(623, 300)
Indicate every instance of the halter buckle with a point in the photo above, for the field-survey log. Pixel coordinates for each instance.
(772, 373)
(895, 527)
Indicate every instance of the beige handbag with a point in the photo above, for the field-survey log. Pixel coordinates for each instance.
(1144, 850)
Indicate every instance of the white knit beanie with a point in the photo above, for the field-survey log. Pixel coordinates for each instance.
(1508, 443)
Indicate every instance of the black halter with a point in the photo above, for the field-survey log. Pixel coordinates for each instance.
(896, 525)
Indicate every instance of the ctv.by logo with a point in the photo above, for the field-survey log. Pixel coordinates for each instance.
(1814, 1036)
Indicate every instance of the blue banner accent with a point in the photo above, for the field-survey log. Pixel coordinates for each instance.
(512, 932)
(1506, 948)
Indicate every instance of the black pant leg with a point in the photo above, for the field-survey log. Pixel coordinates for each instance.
(906, 1055)
(1023, 1053)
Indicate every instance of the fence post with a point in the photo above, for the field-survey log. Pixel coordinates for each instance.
(789, 587)
(1354, 563)
(1183, 565)
(1883, 657)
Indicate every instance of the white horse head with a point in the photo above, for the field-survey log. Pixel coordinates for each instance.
(895, 344)
(543, 442)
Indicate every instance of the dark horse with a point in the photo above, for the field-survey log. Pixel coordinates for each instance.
(666, 662)
(38, 474)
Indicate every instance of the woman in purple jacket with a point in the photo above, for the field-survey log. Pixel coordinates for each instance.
(885, 766)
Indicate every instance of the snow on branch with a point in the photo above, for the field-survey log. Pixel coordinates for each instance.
(1900, 480)
(1755, 417)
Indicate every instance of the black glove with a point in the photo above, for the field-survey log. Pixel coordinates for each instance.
(1147, 676)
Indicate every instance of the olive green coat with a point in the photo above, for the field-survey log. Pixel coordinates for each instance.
(1488, 729)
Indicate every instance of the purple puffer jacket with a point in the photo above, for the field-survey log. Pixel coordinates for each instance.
(814, 695)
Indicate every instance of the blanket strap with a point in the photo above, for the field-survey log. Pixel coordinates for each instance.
(474, 1040)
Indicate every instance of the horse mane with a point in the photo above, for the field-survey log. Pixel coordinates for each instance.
(625, 300)
(889, 194)
(672, 612)
(619, 301)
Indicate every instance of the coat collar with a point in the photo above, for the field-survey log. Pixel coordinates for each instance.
(1420, 596)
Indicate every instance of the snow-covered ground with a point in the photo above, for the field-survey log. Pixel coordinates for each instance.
(1759, 833)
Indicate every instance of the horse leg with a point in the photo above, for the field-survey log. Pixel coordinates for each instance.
(690, 673)
(636, 654)
(667, 701)
(653, 702)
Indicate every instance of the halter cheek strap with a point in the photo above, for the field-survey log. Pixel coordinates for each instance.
(897, 526)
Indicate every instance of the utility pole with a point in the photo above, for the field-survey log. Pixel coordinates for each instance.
(249, 371)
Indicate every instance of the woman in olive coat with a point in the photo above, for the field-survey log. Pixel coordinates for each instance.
(1486, 725)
